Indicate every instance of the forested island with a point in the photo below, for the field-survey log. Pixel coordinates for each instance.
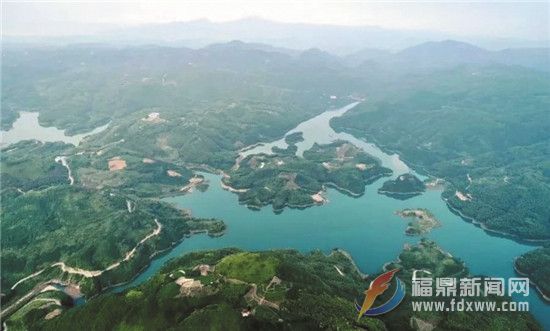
(285, 179)
(403, 187)
(423, 221)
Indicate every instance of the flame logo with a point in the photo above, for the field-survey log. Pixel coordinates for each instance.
(378, 286)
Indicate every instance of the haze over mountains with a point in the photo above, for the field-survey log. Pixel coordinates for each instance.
(316, 44)
(432, 54)
(451, 52)
(340, 40)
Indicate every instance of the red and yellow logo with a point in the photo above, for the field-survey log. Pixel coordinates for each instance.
(378, 286)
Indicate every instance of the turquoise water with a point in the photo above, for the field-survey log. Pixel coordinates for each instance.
(366, 227)
(318, 130)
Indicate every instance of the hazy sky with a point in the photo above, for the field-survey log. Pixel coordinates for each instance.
(506, 19)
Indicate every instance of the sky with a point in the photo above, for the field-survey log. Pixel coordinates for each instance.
(503, 19)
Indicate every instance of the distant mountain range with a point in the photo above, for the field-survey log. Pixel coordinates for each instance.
(340, 40)
(244, 56)
(433, 54)
(451, 53)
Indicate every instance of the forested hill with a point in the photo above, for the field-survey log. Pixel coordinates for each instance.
(230, 289)
(79, 87)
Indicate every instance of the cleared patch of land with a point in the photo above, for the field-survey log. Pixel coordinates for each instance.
(117, 163)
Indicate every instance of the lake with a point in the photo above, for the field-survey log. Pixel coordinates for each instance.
(366, 227)
(27, 127)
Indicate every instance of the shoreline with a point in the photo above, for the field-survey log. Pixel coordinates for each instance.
(6, 312)
(421, 170)
(368, 181)
(158, 253)
(400, 193)
(280, 210)
(539, 290)
(347, 255)
(232, 189)
(155, 254)
(343, 190)
(481, 225)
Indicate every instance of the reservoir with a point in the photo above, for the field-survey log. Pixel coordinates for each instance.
(366, 227)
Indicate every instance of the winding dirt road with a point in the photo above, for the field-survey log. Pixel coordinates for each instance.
(71, 270)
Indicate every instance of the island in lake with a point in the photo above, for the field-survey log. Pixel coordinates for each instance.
(285, 179)
(403, 187)
(423, 221)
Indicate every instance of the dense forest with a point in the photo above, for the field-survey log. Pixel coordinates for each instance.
(51, 224)
(536, 265)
